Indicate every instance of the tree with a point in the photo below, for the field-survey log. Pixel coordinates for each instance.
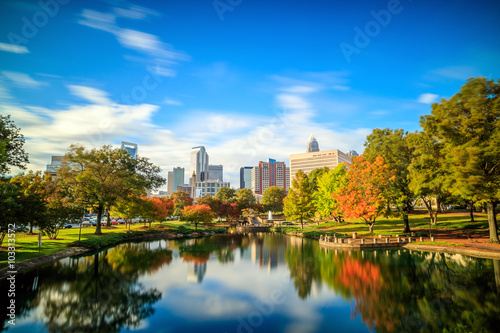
(315, 175)
(197, 214)
(366, 193)
(161, 208)
(330, 184)
(34, 201)
(468, 125)
(245, 198)
(98, 178)
(394, 148)
(299, 202)
(272, 199)
(12, 212)
(128, 208)
(11, 146)
(181, 199)
(227, 194)
(427, 172)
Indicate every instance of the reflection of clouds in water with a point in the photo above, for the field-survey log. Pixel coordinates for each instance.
(231, 291)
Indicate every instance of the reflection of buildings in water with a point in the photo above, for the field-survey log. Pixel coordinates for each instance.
(266, 253)
(196, 272)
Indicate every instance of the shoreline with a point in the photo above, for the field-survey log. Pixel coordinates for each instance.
(32, 263)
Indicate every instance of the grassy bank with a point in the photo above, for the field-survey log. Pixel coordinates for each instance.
(27, 248)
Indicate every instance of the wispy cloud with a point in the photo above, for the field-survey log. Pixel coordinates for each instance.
(459, 73)
(13, 48)
(23, 80)
(170, 101)
(89, 94)
(427, 98)
(159, 54)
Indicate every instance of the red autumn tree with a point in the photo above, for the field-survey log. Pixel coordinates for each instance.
(233, 212)
(366, 193)
(197, 214)
(161, 208)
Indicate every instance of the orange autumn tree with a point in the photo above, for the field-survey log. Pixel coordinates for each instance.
(197, 214)
(162, 208)
(366, 192)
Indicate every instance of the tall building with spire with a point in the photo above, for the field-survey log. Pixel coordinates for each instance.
(199, 164)
(131, 148)
(312, 144)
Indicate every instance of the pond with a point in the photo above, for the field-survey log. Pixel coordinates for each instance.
(259, 282)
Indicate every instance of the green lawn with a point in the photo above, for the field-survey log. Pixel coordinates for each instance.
(26, 245)
(418, 222)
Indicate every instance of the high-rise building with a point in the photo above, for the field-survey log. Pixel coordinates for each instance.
(209, 187)
(352, 153)
(215, 172)
(54, 165)
(131, 148)
(312, 144)
(246, 177)
(267, 174)
(307, 162)
(170, 183)
(178, 178)
(199, 163)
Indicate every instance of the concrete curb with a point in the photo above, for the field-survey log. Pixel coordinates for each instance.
(455, 250)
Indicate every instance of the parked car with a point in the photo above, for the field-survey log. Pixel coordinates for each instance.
(86, 224)
(67, 226)
(115, 222)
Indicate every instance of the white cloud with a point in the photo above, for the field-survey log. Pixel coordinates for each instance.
(170, 101)
(90, 94)
(427, 98)
(13, 48)
(135, 12)
(340, 87)
(23, 80)
(99, 20)
(300, 89)
(460, 73)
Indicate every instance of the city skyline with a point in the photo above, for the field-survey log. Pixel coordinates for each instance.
(174, 75)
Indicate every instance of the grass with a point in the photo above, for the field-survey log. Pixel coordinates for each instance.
(418, 223)
(440, 243)
(27, 248)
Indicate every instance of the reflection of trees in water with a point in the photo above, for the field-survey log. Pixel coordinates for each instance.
(98, 293)
(427, 292)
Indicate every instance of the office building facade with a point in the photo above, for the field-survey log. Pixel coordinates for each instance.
(55, 161)
(215, 172)
(246, 177)
(131, 148)
(178, 178)
(307, 162)
(267, 174)
(170, 183)
(210, 187)
(312, 145)
(199, 164)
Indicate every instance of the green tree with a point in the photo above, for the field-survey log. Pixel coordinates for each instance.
(468, 125)
(226, 194)
(11, 146)
(98, 178)
(394, 148)
(181, 199)
(197, 214)
(299, 202)
(245, 198)
(315, 175)
(330, 183)
(272, 199)
(12, 212)
(32, 185)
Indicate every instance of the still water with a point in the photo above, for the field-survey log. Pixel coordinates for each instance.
(257, 283)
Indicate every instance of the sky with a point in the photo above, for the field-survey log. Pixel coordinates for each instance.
(248, 79)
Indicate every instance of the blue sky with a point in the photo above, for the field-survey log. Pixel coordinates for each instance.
(248, 79)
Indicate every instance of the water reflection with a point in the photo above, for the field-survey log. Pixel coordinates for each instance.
(217, 284)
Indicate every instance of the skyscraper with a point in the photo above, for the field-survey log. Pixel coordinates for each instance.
(199, 163)
(170, 183)
(246, 177)
(307, 162)
(267, 174)
(352, 153)
(312, 144)
(178, 178)
(215, 172)
(131, 148)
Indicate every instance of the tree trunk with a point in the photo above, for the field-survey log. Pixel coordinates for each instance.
(428, 205)
(406, 223)
(471, 211)
(31, 228)
(370, 228)
(438, 207)
(492, 222)
(301, 224)
(195, 226)
(99, 216)
(2, 236)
